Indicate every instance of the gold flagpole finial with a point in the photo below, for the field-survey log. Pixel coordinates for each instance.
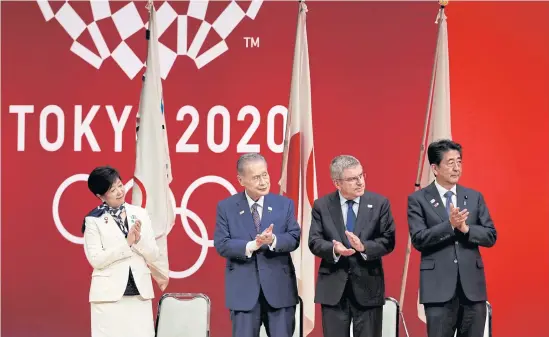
(440, 14)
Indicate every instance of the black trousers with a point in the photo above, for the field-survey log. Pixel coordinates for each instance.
(459, 313)
(336, 319)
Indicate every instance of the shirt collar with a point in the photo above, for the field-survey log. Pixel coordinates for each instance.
(342, 200)
(441, 190)
(251, 201)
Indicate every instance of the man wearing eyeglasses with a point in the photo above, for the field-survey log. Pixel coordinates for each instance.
(448, 223)
(351, 230)
(255, 232)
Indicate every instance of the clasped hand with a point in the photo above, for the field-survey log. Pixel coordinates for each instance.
(266, 237)
(356, 244)
(458, 218)
(134, 235)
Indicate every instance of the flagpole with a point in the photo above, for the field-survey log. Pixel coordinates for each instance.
(284, 178)
(417, 184)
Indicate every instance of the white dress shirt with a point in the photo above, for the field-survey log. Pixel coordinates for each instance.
(251, 246)
(441, 191)
(344, 210)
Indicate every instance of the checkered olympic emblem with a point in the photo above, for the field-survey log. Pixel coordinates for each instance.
(128, 22)
(185, 214)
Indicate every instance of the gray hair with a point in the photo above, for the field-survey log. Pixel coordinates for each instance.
(247, 158)
(340, 163)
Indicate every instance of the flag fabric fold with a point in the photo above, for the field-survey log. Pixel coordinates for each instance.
(152, 175)
(298, 179)
(438, 123)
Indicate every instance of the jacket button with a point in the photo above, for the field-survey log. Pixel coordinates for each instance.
(455, 261)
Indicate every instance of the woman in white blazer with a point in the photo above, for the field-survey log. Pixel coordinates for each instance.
(119, 242)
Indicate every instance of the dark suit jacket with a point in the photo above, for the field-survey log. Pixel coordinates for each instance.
(376, 229)
(273, 271)
(445, 251)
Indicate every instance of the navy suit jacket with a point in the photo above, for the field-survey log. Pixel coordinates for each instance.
(271, 271)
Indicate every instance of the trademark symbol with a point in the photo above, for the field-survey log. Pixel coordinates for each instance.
(251, 42)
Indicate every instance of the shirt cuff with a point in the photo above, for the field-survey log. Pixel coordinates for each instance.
(364, 256)
(272, 246)
(336, 257)
(251, 247)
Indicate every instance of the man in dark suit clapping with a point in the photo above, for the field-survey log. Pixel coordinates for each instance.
(448, 223)
(351, 231)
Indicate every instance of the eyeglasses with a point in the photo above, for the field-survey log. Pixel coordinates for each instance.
(357, 179)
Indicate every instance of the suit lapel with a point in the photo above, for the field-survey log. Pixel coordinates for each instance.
(337, 216)
(431, 193)
(364, 214)
(245, 214)
(460, 198)
(107, 222)
(131, 216)
(266, 215)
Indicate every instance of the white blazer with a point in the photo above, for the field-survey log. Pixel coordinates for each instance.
(108, 252)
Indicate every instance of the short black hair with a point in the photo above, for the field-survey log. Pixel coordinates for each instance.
(437, 149)
(101, 179)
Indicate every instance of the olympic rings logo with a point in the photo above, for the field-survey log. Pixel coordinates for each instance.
(185, 213)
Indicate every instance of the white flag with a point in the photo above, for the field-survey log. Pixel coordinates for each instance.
(152, 175)
(439, 121)
(298, 180)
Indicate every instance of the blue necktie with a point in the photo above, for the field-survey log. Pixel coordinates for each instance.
(351, 217)
(448, 196)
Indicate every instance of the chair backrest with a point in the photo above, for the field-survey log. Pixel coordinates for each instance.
(390, 318)
(298, 321)
(182, 314)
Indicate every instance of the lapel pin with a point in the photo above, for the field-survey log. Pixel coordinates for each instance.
(436, 205)
(432, 201)
(241, 212)
(370, 206)
(269, 208)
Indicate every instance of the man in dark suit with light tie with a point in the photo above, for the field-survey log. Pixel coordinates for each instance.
(351, 231)
(448, 223)
(256, 231)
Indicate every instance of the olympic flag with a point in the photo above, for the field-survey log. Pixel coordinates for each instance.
(152, 167)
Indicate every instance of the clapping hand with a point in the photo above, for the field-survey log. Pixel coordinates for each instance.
(458, 218)
(354, 241)
(340, 249)
(266, 237)
(134, 234)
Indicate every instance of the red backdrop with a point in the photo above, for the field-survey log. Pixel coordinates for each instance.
(371, 66)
